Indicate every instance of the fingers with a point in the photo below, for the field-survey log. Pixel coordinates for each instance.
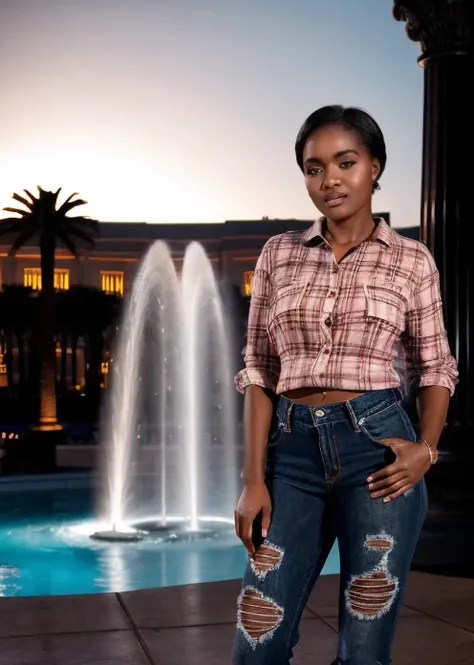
(387, 471)
(395, 485)
(397, 478)
(386, 482)
(247, 536)
(394, 441)
(266, 516)
(243, 529)
(403, 490)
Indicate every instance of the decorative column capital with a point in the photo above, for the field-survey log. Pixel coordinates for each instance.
(443, 27)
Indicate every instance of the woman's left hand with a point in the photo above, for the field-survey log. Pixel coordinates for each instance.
(412, 462)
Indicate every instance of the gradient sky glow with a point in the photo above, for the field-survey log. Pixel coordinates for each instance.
(187, 110)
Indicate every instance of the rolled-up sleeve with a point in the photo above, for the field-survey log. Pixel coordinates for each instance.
(262, 366)
(428, 356)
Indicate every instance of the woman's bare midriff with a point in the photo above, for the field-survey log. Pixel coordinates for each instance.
(320, 395)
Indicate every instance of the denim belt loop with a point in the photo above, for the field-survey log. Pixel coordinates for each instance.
(352, 416)
(287, 425)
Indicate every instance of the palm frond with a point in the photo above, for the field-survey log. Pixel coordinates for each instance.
(11, 225)
(54, 196)
(7, 229)
(63, 236)
(86, 237)
(21, 199)
(87, 224)
(69, 198)
(43, 215)
(45, 195)
(23, 238)
(19, 211)
(69, 205)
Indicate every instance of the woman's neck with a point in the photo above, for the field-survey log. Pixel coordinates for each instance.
(350, 231)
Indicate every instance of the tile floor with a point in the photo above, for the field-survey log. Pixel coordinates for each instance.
(194, 625)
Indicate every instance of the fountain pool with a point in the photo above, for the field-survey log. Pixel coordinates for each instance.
(45, 549)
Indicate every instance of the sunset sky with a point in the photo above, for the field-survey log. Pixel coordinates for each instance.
(187, 110)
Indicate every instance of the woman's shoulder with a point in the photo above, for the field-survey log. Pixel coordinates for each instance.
(416, 253)
(284, 240)
(280, 246)
(412, 246)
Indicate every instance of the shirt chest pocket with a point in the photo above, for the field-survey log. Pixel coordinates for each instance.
(286, 307)
(386, 304)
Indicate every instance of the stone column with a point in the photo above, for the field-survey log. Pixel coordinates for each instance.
(81, 268)
(444, 30)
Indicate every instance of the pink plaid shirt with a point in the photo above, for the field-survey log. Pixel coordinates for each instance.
(316, 323)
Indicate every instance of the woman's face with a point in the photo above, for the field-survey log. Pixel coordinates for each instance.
(339, 172)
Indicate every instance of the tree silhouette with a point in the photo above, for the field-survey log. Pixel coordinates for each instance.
(42, 217)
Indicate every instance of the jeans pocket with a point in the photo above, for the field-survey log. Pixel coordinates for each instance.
(391, 422)
(276, 432)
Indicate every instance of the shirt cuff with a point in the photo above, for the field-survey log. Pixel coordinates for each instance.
(436, 379)
(255, 377)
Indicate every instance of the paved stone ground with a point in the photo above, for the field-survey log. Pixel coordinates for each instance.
(194, 625)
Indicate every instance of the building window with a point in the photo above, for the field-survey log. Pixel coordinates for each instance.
(248, 279)
(61, 279)
(32, 278)
(112, 282)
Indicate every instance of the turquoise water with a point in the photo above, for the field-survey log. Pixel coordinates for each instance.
(45, 550)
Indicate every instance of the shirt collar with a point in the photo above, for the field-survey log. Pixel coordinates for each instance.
(382, 232)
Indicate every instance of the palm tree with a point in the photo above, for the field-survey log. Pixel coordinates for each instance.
(17, 312)
(42, 217)
(89, 312)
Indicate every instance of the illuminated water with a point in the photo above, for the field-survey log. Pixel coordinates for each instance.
(45, 550)
(170, 434)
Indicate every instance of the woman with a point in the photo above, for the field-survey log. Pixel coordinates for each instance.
(329, 451)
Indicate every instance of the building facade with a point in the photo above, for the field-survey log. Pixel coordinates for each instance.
(233, 248)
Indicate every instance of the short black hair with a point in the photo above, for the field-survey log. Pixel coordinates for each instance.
(348, 117)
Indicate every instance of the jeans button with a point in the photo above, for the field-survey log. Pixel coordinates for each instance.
(319, 413)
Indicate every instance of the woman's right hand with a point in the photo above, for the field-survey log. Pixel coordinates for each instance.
(254, 499)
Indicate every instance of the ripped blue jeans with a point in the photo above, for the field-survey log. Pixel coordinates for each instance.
(318, 462)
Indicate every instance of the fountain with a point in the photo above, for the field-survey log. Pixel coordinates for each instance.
(170, 456)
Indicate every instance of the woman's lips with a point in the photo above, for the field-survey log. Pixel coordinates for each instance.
(335, 201)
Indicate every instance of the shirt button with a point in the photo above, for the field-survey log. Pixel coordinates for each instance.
(327, 352)
(331, 294)
(328, 322)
